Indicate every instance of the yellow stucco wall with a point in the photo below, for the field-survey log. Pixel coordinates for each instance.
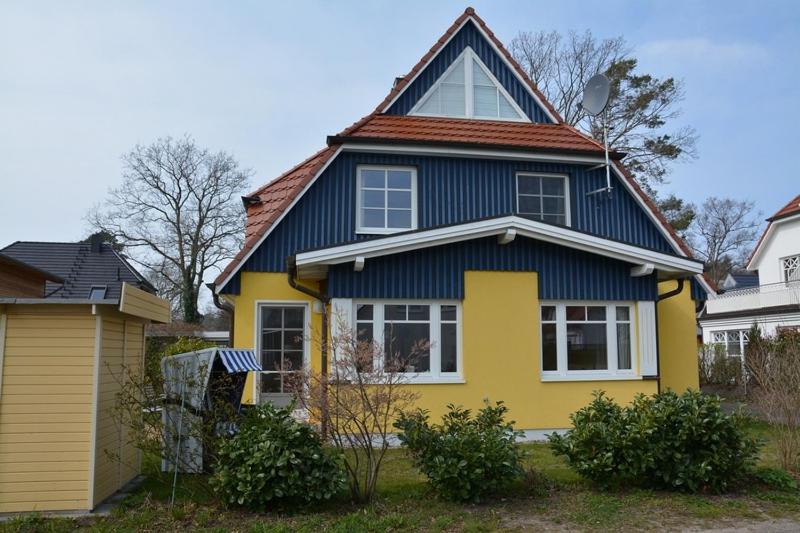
(46, 407)
(501, 346)
(677, 339)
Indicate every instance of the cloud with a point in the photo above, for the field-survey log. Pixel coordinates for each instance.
(704, 51)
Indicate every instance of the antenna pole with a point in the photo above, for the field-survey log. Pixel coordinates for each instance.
(605, 146)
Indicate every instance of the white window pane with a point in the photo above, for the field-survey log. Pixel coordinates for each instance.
(456, 76)
(596, 313)
(485, 101)
(399, 179)
(479, 77)
(552, 206)
(549, 347)
(373, 218)
(623, 346)
(400, 199)
(370, 198)
(506, 110)
(373, 178)
(449, 349)
(552, 186)
(431, 104)
(530, 205)
(399, 218)
(394, 312)
(586, 347)
(271, 383)
(453, 100)
(549, 313)
(407, 346)
(419, 312)
(364, 312)
(576, 312)
(529, 184)
(623, 313)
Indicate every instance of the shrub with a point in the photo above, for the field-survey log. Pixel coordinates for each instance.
(465, 457)
(665, 441)
(717, 368)
(776, 478)
(275, 457)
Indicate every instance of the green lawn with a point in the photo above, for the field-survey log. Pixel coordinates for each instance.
(553, 499)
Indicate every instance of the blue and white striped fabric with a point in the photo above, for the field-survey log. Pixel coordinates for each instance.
(239, 360)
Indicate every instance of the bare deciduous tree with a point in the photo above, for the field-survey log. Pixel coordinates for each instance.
(176, 214)
(641, 106)
(358, 401)
(723, 233)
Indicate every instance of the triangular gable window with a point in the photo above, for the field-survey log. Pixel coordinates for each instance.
(469, 90)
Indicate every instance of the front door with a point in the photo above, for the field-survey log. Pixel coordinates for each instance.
(282, 345)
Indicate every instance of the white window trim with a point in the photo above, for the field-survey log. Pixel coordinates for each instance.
(612, 373)
(257, 336)
(744, 340)
(365, 230)
(565, 177)
(785, 272)
(419, 378)
(469, 113)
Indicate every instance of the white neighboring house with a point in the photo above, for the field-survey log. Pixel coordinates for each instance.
(774, 302)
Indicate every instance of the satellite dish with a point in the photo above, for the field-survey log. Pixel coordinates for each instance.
(595, 94)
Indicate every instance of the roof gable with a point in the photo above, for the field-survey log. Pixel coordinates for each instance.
(469, 31)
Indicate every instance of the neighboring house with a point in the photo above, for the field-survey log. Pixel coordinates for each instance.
(461, 212)
(739, 280)
(72, 318)
(773, 302)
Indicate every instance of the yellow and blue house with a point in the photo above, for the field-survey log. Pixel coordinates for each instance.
(464, 214)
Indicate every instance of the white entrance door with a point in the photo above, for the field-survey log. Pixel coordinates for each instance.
(282, 346)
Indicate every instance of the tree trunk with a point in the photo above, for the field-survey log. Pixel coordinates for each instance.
(189, 303)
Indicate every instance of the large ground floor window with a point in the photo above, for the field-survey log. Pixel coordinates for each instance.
(419, 338)
(587, 340)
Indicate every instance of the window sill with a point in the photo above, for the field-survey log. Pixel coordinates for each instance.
(590, 377)
(430, 380)
(382, 231)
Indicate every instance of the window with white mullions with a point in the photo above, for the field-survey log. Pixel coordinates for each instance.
(420, 339)
(585, 340)
(791, 268)
(386, 199)
(282, 348)
(733, 342)
(544, 197)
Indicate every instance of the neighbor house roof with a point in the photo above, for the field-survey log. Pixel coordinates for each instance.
(274, 199)
(474, 133)
(79, 268)
(790, 209)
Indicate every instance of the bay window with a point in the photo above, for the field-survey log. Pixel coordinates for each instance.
(587, 340)
(418, 338)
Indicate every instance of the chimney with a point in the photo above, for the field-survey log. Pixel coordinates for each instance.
(96, 243)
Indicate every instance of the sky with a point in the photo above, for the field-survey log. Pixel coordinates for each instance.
(81, 83)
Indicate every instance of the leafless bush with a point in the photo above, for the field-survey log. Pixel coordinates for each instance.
(774, 366)
(717, 368)
(357, 402)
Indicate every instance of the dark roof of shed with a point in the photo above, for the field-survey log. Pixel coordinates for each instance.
(79, 267)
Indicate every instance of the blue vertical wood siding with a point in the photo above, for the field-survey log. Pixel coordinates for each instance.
(470, 36)
(450, 190)
(564, 273)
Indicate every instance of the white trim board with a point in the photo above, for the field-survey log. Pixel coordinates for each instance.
(497, 226)
(3, 325)
(496, 50)
(98, 351)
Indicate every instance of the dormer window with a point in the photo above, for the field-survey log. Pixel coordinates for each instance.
(387, 199)
(469, 90)
(97, 292)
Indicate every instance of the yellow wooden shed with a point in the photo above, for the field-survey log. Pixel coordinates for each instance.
(62, 361)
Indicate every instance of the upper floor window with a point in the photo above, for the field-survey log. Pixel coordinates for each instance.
(469, 90)
(387, 199)
(543, 196)
(791, 268)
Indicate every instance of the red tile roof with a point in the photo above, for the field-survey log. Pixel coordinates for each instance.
(792, 208)
(276, 197)
(486, 133)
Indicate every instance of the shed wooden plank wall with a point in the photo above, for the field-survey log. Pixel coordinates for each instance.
(20, 283)
(116, 460)
(46, 407)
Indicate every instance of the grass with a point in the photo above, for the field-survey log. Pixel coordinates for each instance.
(554, 498)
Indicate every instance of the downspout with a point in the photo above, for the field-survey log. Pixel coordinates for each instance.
(223, 306)
(661, 297)
(324, 299)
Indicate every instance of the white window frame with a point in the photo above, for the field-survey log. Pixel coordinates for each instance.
(469, 112)
(785, 268)
(612, 373)
(434, 375)
(366, 230)
(744, 340)
(259, 304)
(565, 177)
